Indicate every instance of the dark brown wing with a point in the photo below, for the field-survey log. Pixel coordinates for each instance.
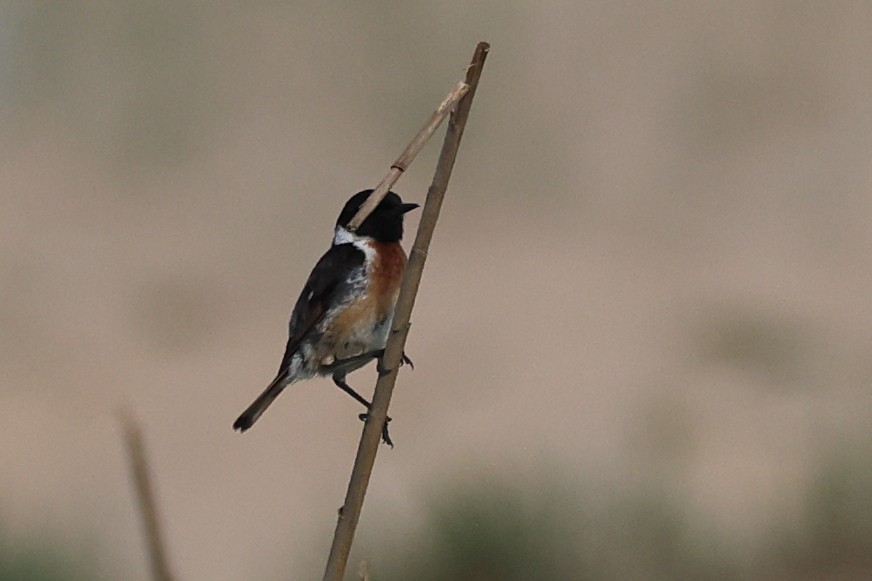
(328, 280)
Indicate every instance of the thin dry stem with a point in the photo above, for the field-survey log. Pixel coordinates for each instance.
(408, 155)
(160, 569)
(369, 441)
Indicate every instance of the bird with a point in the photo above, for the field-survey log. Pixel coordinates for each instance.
(342, 318)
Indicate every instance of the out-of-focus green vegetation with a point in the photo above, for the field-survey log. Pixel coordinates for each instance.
(42, 560)
(496, 533)
(514, 534)
(833, 539)
(559, 530)
(508, 532)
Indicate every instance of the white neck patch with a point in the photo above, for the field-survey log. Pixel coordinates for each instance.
(342, 235)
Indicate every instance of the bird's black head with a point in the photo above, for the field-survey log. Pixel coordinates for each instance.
(385, 224)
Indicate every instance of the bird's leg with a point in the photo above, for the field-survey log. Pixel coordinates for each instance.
(352, 363)
(339, 380)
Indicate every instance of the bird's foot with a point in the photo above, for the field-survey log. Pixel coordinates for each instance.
(385, 436)
(381, 369)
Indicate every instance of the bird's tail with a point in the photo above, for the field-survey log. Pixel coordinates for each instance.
(256, 409)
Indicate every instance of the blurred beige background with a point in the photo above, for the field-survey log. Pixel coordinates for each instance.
(653, 264)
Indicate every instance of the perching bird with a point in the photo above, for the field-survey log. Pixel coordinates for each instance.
(343, 316)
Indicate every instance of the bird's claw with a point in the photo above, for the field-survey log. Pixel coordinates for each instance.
(403, 361)
(385, 436)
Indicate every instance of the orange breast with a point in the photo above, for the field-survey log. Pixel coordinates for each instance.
(354, 330)
(387, 274)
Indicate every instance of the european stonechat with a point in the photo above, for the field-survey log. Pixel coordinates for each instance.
(343, 317)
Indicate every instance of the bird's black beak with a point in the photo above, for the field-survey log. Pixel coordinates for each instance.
(408, 207)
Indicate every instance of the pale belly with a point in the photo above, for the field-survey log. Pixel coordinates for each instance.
(361, 328)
